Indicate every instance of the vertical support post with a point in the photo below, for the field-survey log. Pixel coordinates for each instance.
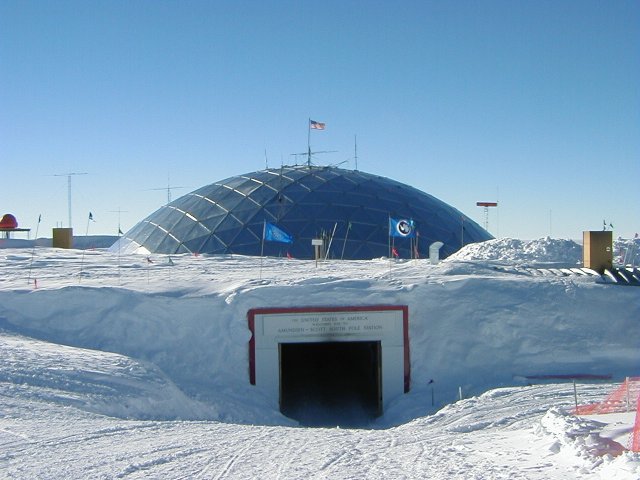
(575, 393)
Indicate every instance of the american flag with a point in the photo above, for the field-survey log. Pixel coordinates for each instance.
(316, 125)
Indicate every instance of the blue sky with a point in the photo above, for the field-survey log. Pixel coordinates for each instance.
(533, 104)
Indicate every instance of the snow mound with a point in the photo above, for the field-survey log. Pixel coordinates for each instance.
(91, 380)
(581, 439)
(543, 250)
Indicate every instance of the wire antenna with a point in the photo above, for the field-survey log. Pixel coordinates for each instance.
(168, 188)
(310, 155)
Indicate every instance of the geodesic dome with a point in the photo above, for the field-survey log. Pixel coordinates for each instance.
(349, 209)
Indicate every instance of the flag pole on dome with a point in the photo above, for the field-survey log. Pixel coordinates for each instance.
(315, 126)
(309, 144)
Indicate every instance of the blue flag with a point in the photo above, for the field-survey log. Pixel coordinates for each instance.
(275, 234)
(401, 228)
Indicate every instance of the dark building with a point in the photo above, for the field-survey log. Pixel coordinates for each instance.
(350, 209)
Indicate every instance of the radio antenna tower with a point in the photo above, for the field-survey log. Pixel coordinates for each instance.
(69, 175)
(486, 206)
(355, 148)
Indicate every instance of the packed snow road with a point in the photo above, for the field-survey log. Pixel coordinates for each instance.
(500, 434)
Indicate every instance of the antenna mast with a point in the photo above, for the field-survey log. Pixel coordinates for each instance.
(355, 146)
(313, 125)
(69, 175)
(168, 188)
(486, 206)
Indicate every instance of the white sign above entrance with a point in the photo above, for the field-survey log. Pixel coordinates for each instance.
(331, 325)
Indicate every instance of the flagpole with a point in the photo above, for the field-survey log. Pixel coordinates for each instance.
(326, 255)
(345, 241)
(84, 249)
(34, 249)
(264, 230)
(119, 212)
(119, 247)
(389, 235)
(309, 143)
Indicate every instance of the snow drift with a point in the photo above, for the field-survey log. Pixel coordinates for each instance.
(471, 325)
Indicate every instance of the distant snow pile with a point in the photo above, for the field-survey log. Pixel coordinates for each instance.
(627, 251)
(544, 250)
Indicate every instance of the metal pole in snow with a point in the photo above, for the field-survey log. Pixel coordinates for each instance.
(326, 255)
(460, 392)
(83, 250)
(575, 394)
(34, 249)
(345, 239)
(264, 231)
(627, 382)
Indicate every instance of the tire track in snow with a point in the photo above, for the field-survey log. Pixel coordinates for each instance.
(292, 456)
(228, 466)
(162, 460)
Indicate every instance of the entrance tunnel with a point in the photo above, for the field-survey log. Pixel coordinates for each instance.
(331, 383)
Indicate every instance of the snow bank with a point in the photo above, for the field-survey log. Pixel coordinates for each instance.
(552, 251)
(510, 250)
(93, 380)
(580, 439)
(166, 338)
(470, 325)
(627, 251)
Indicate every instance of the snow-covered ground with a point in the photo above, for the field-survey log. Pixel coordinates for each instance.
(127, 366)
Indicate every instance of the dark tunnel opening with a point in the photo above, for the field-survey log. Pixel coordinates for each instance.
(331, 383)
